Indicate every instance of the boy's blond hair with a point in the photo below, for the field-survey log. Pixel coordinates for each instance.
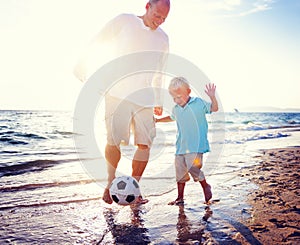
(178, 82)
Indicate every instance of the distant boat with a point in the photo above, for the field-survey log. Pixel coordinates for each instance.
(236, 110)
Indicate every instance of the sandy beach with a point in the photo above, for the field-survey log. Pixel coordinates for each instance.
(275, 213)
(49, 197)
(271, 216)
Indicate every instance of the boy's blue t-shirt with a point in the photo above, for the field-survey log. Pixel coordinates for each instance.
(192, 126)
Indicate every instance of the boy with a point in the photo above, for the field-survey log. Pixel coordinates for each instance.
(189, 113)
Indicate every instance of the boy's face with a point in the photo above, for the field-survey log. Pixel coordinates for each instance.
(180, 95)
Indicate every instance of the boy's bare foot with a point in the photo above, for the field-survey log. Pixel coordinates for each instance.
(207, 193)
(178, 202)
(106, 196)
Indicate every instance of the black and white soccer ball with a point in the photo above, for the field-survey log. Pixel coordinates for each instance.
(124, 190)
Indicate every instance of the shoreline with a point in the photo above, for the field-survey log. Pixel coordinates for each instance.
(272, 215)
(275, 212)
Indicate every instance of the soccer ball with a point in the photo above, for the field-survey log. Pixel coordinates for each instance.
(124, 190)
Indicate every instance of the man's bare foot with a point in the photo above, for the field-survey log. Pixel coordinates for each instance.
(106, 196)
(178, 202)
(207, 193)
(140, 200)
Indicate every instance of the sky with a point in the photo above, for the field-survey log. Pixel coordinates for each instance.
(248, 48)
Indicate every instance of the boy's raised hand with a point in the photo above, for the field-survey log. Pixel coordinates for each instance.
(210, 90)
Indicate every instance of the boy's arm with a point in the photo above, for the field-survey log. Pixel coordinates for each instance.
(214, 104)
(164, 119)
(211, 92)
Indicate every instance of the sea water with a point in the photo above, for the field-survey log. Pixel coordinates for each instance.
(49, 196)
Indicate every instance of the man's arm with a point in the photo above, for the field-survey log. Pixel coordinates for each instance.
(107, 33)
(164, 119)
(159, 79)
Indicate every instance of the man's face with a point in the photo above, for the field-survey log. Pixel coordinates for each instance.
(156, 14)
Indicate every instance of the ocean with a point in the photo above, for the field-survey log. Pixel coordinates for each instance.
(50, 195)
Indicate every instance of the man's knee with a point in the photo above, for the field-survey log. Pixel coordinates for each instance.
(143, 147)
(142, 153)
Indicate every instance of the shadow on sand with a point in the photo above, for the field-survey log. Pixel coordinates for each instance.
(190, 230)
(126, 233)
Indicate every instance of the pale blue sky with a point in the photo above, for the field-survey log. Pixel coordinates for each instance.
(249, 48)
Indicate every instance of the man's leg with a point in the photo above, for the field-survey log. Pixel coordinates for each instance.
(140, 160)
(143, 126)
(139, 163)
(113, 156)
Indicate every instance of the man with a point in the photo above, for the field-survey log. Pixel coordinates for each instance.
(130, 102)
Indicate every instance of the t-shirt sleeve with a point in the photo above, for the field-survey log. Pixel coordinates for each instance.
(111, 29)
(172, 116)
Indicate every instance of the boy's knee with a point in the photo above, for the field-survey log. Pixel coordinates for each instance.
(182, 178)
(197, 162)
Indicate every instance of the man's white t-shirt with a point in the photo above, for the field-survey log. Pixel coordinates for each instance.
(127, 34)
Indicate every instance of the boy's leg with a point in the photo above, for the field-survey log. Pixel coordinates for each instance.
(206, 190)
(182, 176)
(180, 189)
(195, 161)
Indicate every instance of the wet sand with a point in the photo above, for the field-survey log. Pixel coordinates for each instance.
(271, 216)
(275, 213)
